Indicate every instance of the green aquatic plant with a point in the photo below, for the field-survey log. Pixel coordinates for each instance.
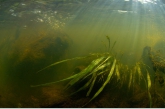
(100, 66)
(105, 66)
(108, 38)
(148, 88)
(108, 65)
(113, 45)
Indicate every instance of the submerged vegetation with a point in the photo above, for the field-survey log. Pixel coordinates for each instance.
(107, 68)
(36, 35)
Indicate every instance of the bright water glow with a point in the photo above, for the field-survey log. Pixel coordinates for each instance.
(147, 1)
(132, 19)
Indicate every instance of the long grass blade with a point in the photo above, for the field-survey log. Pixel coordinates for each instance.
(61, 62)
(105, 83)
(84, 72)
(100, 73)
(45, 84)
(117, 73)
(149, 87)
(139, 72)
(85, 86)
(90, 89)
(103, 66)
(150, 99)
(130, 79)
(148, 80)
(100, 66)
(113, 45)
(108, 38)
(71, 77)
(133, 77)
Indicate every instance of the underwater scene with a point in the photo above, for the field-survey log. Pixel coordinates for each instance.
(82, 53)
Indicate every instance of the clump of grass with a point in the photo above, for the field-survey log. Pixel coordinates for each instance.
(104, 66)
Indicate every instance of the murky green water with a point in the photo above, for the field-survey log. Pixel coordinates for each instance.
(37, 33)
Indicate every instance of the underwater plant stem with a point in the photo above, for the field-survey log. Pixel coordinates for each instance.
(148, 88)
(150, 98)
(117, 73)
(83, 87)
(113, 46)
(108, 38)
(93, 82)
(130, 80)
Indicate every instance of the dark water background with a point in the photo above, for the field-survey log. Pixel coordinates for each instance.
(29, 31)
